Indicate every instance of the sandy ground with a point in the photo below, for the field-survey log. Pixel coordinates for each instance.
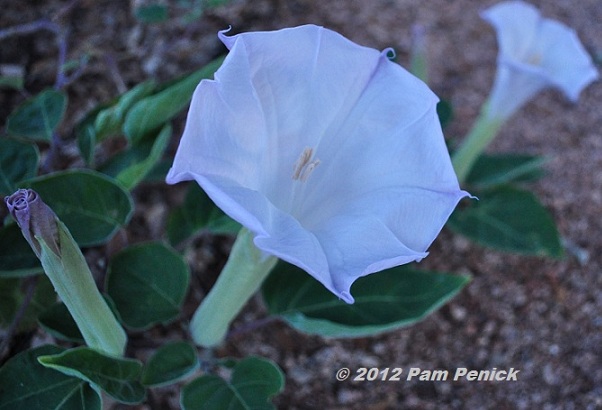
(540, 316)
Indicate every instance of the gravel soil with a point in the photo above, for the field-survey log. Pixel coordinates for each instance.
(540, 316)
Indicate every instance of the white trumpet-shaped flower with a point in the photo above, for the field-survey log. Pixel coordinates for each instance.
(328, 152)
(534, 53)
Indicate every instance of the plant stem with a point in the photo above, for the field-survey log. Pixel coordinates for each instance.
(418, 53)
(61, 42)
(248, 327)
(241, 277)
(480, 136)
(28, 28)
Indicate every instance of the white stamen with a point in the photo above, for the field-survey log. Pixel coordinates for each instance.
(304, 165)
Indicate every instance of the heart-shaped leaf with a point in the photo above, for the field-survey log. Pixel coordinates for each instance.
(26, 384)
(384, 301)
(117, 377)
(18, 161)
(492, 170)
(92, 205)
(37, 117)
(509, 219)
(170, 363)
(254, 381)
(147, 283)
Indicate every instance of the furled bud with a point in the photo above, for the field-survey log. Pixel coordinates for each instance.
(35, 219)
(66, 267)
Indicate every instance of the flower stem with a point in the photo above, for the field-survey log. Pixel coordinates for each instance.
(480, 136)
(248, 327)
(418, 53)
(242, 275)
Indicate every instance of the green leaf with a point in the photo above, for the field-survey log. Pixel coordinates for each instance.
(254, 381)
(384, 301)
(25, 384)
(57, 321)
(147, 283)
(117, 377)
(152, 13)
(106, 120)
(508, 219)
(44, 296)
(18, 161)
(131, 166)
(10, 298)
(38, 117)
(169, 364)
(86, 136)
(151, 113)
(92, 205)
(12, 295)
(16, 257)
(109, 121)
(196, 213)
(491, 170)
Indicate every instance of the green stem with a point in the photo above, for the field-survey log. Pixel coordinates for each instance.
(242, 276)
(480, 136)
(72, 280)
(418, 53)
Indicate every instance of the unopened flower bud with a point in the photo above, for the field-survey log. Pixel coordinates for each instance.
(35, 219)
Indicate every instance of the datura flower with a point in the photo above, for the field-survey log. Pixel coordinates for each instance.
(534, 53)
(331, 155)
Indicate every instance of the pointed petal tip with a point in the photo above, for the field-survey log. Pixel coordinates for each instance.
(346, 297)
(228, 41)
(173, 177)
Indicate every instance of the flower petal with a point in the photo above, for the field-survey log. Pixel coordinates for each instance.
(564, 58)
(515, 23)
